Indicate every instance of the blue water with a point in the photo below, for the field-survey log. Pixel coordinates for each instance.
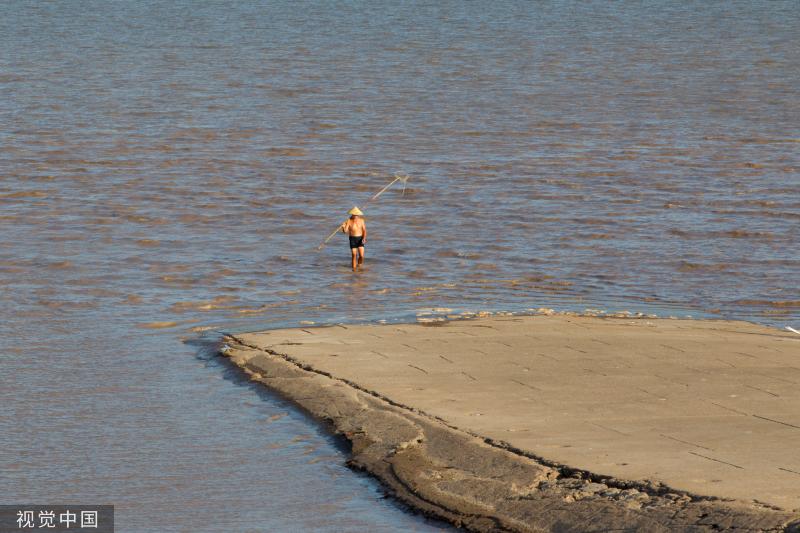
(167, 170)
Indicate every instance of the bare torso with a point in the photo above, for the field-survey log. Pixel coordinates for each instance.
(355, 227)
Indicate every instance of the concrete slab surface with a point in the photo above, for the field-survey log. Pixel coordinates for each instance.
(708, 407)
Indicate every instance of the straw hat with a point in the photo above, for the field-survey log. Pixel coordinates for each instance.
(355, 211)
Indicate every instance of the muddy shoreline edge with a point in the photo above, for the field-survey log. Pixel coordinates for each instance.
(482, 485)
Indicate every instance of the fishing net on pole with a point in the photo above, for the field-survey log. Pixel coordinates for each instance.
(398, 177)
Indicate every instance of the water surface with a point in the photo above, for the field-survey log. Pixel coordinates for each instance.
(167, 170)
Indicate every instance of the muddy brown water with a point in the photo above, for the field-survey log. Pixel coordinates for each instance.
(167, 170)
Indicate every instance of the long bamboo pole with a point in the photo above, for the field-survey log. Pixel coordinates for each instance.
(397, 177)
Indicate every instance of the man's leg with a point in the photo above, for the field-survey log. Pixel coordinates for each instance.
(360, 255)
(354, 255)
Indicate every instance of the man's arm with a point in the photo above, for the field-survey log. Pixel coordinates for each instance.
(364, 232)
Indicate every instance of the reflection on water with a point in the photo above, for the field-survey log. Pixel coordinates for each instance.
(167, 170)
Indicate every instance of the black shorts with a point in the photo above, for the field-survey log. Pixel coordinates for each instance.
(356, 242)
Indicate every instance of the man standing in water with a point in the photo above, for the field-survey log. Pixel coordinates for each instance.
(356, 229)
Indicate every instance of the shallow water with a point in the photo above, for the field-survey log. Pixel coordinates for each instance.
(168, 169)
